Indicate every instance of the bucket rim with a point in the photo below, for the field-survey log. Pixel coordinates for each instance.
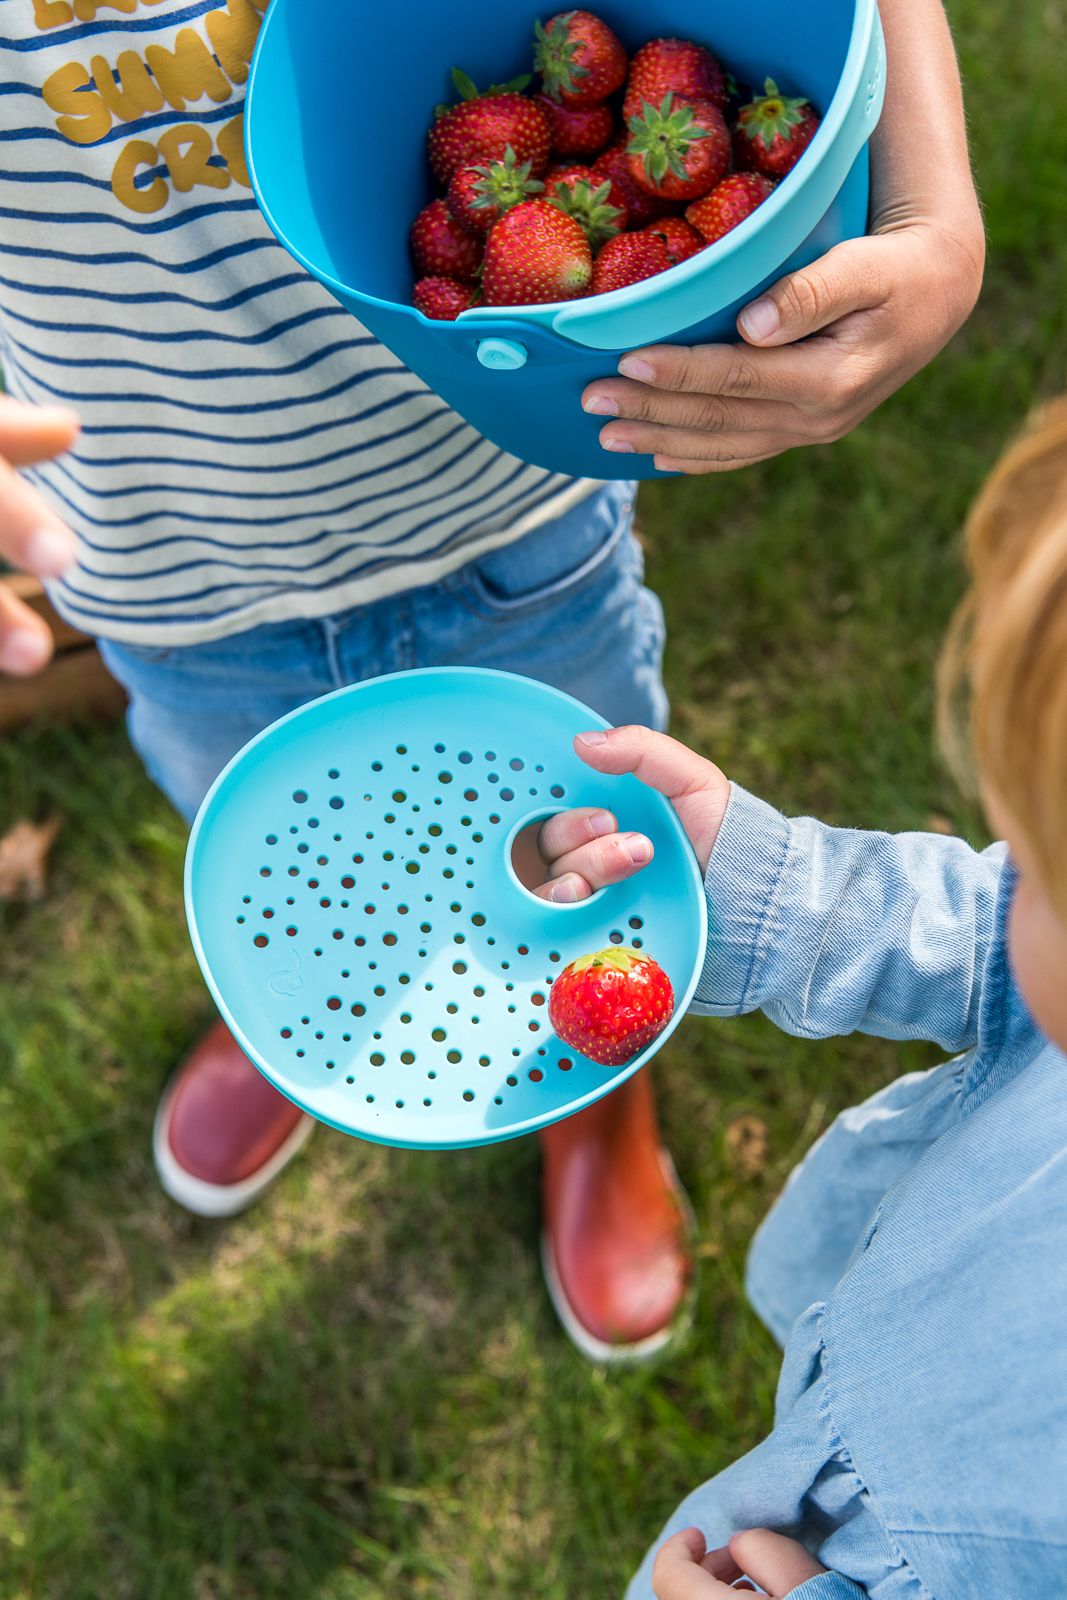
(569, 317)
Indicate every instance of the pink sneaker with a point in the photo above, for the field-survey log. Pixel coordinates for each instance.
(222, 1133)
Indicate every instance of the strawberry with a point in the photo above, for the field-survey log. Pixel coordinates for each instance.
(589, 199)
(674, 66)
(478, 196)
(629, 258)
(729, 203)
(580, 60)
(681, 239)
(773, 131)
(443, 298)
(535, 254)
(611, 1005)
(577, 130)
(482, 127)
(680, 150)
(441, 248)
(640, 206)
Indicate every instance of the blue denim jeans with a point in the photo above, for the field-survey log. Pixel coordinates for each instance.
(565, 604)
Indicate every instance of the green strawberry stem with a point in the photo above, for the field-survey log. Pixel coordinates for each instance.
(467, 89)
(590, 209)
(774, 115)
(664, 137)
(555, 58)
(503, 184)
(619, 955)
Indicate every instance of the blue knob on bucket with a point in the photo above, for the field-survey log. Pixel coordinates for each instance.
(316, 57)
(355, 912)
(501, 355)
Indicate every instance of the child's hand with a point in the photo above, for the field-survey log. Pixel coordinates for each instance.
(685, 1569)
(32, 538)
(584, 850)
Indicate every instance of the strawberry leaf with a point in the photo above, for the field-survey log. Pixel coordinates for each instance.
(513, 86)
(664, 137)
(555, 58)
(465, 87)
(772, 116)
(590, 208)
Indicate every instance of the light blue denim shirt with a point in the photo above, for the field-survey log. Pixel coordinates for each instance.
(916, 1264)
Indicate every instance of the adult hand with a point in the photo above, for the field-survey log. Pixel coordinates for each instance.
(32, 537)
(686, 1570)
(823, 348)
(826, 345)
(583, 850)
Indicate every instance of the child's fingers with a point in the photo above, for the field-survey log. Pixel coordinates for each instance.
(696, 788)
(778, 1564)
(569, 830)
(32, 538)
(29, 434)
(25, 641)
(681, 1569)
(606, 861)
(565, 891)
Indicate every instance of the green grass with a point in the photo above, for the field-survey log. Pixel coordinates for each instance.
(358, 1390)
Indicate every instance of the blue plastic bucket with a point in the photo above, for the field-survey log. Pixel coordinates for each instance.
(336, 152)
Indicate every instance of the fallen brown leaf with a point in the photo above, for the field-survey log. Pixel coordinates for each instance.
(746, 1142)
(24, 851)
(936, 823)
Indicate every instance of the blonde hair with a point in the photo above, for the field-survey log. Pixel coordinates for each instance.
(1003, 676)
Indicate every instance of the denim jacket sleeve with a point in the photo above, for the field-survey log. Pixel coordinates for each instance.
(829, 1586)
(833, 931)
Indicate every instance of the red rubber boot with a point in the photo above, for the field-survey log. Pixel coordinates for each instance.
(617, 1228)
(222, 1133)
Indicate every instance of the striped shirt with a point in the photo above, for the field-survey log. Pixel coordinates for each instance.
(249, 453)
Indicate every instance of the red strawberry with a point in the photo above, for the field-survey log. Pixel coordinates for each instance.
(535, 254)
(478, 196)
(682, 241)
(773, 131)
(629, 258)
(441, 248)
(587, 197)
(674, 66)
(680, 149)
(729, 203)
(580, 60)
(443, 298)
(611, 1005)
(640, 206)
(481, 130)
(577, 130)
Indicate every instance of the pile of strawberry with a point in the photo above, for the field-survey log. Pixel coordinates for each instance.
(616, 170)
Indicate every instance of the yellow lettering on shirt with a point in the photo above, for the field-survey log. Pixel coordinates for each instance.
(126, 89)
(187, 150)
(52, 13)
(138, 153)
(231, 142)
(88, 102)
(85, 118)
(85, 10)
(188, 72)
(232, 31)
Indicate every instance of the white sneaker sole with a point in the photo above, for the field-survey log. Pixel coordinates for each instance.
(597, 1350)
(205, 1199)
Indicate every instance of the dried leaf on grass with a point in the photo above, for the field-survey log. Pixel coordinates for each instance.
(746, 1143)
(936, 823)
(24, 852)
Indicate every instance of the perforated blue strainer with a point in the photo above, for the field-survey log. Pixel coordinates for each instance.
(353, 906)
